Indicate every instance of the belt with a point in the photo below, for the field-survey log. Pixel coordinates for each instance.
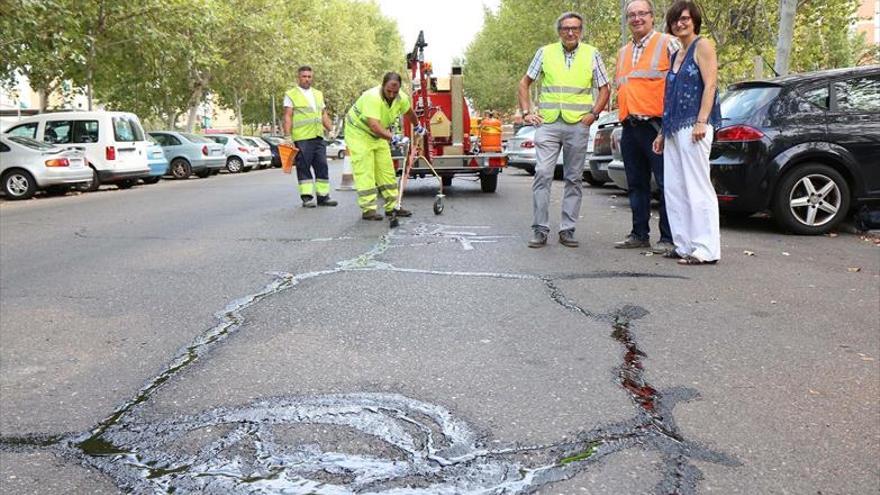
(634, 121)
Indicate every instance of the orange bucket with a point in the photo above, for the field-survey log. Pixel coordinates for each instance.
(288, 153)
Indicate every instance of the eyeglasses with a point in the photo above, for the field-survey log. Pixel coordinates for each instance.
(570, 29)
(637, 15)
(685, 19)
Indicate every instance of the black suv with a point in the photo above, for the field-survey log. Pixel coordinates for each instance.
(805, 146)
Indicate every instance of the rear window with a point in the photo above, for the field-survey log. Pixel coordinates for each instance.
(741, 103)
(273, 140)
(242, 142)
(32, 143)
(126, 129)
(195, 138)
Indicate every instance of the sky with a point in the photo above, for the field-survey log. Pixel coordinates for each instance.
(449, 26)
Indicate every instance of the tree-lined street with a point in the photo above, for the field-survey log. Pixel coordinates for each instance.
(213, 336)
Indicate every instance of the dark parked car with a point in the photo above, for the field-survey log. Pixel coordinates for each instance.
(273, 142)
(806, 147)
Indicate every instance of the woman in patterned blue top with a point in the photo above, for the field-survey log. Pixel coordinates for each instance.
(690, 115)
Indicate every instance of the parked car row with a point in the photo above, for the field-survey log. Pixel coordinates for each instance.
(40, 153)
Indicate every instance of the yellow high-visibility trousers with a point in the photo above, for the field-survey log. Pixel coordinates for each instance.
(373, 171)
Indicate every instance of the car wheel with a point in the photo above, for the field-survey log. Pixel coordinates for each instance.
(811, 199)
(530, 170)
(19, 184)
(588, 178)
(340, 155)
(215, 171)
(92, 185)
(201, 174)
(126, 184)
(446, 180)
(180, 168)
(234, 164)
(151, 180)
(488, 183)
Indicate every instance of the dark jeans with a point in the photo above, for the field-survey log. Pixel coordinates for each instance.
(312, 155)
(639, 162)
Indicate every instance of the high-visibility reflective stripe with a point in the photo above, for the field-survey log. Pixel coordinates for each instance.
(300, 123)
(306, 188)
(368, 192)
(564, 90)
(388, 187)
(651, 72)
(643, 74)
(565, 106)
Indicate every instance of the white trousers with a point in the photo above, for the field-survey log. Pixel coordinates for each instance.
(691, 204)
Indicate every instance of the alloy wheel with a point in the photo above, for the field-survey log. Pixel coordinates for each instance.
(815, 200)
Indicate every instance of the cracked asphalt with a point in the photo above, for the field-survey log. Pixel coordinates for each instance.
(212, 336)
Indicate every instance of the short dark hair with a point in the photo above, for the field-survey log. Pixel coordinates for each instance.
(304, 68)
(676, 10)
(391, 76)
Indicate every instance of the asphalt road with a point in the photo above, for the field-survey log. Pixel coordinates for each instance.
(212, 336)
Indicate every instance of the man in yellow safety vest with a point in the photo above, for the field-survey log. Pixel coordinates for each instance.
(367, 137)
(571, 71)
(305, 120)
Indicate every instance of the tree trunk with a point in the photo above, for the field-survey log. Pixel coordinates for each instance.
(238, 113)
(44, 99)
(194, 102)
(786, 34)
(172, 121)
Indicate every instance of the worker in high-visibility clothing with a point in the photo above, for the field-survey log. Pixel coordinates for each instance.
(367, 137)
(571, 71)
(642, 65)
(305, 120)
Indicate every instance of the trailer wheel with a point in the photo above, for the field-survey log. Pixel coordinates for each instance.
(489, 182)
(446, 180)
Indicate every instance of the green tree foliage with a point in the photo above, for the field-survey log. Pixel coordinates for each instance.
(162, 58)
(742, 29)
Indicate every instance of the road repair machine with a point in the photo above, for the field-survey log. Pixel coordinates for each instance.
(449, 147)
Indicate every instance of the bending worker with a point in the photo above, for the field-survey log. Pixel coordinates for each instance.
(305, 120)
(367, 138)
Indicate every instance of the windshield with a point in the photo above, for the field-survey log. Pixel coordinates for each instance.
(741, 103)
(32, 143)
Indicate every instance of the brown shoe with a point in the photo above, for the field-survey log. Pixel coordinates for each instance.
(566, 238)
(631, 242)
(371, 215)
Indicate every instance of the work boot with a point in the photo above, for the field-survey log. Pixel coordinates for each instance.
(632, 242)
(326, 201)
(308, 202)
(401, 212)
(538, 240)
(566, 238)
(371, 215)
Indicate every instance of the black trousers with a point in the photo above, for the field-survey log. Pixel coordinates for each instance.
(312, 156)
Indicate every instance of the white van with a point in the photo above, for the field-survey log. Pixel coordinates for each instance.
(114, 143)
